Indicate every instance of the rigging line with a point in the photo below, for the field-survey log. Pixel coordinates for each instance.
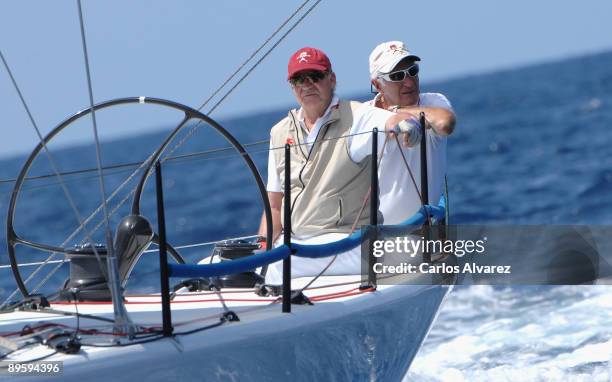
(409, 170)
(108, 234)
(188, 135)
(416, 188)
(369, 194)
(214, 107)
(266, 150)
(51, 162)
(57, 267)
(168, 158)
(61, 262)
(67, 181)
(120, 187)
(122, 201)
(265, 55)
(186, 158)
(7, 266)
(96, 227)
(365, 201)
(190, 157)
(133, 164)
(253, 55)
(205, 243)
(94, 213)
(322, 140)
(75, 232)
(73, 172)
(177, 158)
(193, 129)
(109, 239)
(195, 245)
(82, 223)
(447, 202)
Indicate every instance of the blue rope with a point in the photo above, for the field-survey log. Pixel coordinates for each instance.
(437, 213)
(249, 263)
(229, 267)
(328, 249)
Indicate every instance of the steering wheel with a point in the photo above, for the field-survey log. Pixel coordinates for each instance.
(13, 239)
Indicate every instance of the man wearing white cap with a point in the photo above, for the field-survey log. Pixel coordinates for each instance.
(394, 74)
(330, 144)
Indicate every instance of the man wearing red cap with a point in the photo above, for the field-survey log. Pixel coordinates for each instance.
(330, 170)
(394, 73)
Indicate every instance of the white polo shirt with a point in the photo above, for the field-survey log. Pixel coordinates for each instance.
(398, 198)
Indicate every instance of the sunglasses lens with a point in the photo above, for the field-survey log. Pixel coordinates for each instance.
(401, 75)
(413, 70)
(317, 76)
(397, 76)
(314, 77)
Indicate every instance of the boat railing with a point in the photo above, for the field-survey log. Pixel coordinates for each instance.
(281, 252)
(423, 217)
(285, 252)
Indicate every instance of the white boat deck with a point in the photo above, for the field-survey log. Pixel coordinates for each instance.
(380, 331)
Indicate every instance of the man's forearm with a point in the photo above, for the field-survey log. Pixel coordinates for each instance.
(441, 120)
(276, 225)
(275, 199)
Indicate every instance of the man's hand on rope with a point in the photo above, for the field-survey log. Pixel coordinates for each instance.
(406, 127)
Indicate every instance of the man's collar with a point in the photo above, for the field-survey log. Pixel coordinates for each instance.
(334, 103)
(376, 102)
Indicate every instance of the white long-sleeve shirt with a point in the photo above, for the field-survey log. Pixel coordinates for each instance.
(398, 198)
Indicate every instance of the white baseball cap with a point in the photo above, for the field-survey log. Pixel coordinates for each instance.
(386, 56)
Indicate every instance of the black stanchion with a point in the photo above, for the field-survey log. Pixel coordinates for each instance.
(372, 230)
(424, 185)
(374, 180)
(163, 256)
(287, 232)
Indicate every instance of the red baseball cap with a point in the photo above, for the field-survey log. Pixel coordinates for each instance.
(308, 59)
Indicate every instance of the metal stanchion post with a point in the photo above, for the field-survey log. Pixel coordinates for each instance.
(424, 186)
(373, 229)
(287, 232)
(163, 257)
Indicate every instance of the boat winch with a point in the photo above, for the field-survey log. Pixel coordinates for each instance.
(229, 250)
(88, 268)
(87, 281)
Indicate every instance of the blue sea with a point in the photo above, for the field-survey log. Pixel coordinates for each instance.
(533, 145)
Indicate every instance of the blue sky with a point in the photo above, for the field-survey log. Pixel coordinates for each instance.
(183, 50)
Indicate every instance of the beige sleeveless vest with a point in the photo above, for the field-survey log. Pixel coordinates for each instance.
(327, 187)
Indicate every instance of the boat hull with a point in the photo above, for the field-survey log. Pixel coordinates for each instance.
(371, 336)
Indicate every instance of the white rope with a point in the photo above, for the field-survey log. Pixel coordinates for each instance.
(32, 264)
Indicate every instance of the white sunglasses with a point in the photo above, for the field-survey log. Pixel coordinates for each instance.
(400, 75)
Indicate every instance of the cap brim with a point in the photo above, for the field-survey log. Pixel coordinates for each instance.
(391, 65)
(305, 67)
